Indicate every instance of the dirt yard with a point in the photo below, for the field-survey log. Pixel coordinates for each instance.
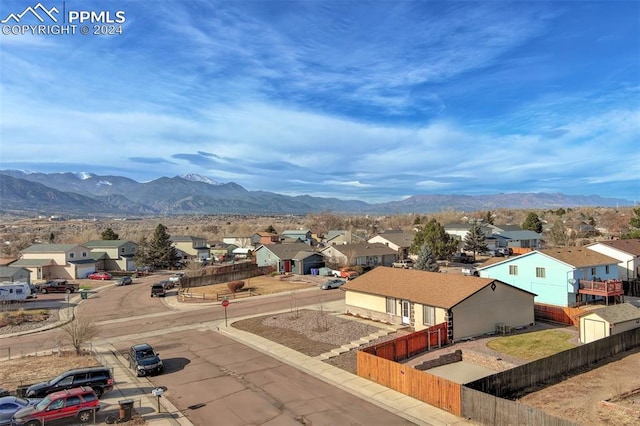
(32, 369)
(259, 285)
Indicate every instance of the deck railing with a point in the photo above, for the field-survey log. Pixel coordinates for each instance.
(601, 288)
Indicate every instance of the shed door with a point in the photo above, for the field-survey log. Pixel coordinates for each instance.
(594, 330)
(406, 312)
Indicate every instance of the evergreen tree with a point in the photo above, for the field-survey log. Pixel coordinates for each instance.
(475, 240)
(426, 260)
(108, 234)
(634, 223)
(141, 254)
(532, 223)
(270, 229)
(162, 253)
(488, 217)
(52, 238)
(440, 243)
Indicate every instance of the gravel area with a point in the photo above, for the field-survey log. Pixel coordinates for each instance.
(32, 325)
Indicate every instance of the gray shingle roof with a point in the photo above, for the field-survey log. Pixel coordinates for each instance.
(616, 314)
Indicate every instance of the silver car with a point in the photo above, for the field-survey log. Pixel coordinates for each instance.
(332, 284)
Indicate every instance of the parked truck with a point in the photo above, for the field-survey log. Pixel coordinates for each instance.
(58, 286)
(470, 271)
(346, 273)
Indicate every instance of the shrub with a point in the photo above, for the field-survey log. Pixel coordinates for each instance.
(235, 286)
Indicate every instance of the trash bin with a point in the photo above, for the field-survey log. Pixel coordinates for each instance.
(126, 409)
(83, 294)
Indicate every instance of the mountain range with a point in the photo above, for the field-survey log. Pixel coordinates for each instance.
(89, 194)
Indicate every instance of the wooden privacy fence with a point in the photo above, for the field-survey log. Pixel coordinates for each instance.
(223, 274)
(417, 384)
(216, 296)
(563, 315)
(405, 347)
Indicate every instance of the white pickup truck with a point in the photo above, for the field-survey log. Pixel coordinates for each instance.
(175, 278)
(470, 271)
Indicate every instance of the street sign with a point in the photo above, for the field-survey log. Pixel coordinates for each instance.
(225, 303)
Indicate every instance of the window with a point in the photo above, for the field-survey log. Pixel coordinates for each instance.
(391, 305)
(428, 315)
(122, 250)
(540, 273)
(513, 269)
(73, 400)
(72, 255)
(84, 254)
(593, 272)
(606, 269)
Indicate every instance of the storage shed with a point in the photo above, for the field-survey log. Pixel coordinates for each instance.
(608, 321)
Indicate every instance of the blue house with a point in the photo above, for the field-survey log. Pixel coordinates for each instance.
(562, 277)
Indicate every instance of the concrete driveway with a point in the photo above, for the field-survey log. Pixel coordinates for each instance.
(214, 380)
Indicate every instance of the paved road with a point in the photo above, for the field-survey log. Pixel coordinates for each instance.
(215, 379)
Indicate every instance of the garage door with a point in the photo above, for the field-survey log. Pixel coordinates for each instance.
(83, 272)
(593, 330)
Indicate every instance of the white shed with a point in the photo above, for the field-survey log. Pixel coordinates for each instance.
(608, 321)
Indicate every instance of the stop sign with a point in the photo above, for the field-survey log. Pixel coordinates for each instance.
(225, 303)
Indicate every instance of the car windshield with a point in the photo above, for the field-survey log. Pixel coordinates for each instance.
(146, 353)
(22, 401)
(44, 403)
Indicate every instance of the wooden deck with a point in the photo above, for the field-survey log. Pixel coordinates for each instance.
(601, 288)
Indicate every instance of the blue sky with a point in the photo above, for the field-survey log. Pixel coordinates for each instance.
(373, 100)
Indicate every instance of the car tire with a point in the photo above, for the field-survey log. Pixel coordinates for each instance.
(43, 290)
(68, 291)
(84, 416)
(99, 391)
(33, 423)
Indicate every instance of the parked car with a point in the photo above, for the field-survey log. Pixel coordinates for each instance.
(77, 403)
(175, 278)
(8, 407)
(461, 258)
(404, 263)
(159, 289)
(98, 378)
(124, 281)
(144, 360)
(99, 276)
(332, 284)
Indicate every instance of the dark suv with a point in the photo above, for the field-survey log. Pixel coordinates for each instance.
(159, 289)
(144, 360)
(99, 379)
(77, 403)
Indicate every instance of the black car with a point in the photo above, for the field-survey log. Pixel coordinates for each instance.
(100, 379)
(144, 360)
(159, 289)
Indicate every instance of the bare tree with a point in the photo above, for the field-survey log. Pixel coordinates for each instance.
(79, 331)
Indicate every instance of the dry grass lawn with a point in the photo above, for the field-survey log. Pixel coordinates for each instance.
(33, 369)
(259, 285)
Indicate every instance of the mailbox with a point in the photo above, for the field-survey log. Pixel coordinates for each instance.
(157, 392)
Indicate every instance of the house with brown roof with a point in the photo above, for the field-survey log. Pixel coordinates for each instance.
(561, 276)
(626, 251)
(297, 258)
(470, 306)
(362, 254)
(399, 241)
(260, 238)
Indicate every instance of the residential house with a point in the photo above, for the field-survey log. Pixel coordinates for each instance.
(303, 235)
(604, 322)
(470, 306)
(560, 277)
(118, 254)
(337, 236)
(243, 242)
(363, 254)
(626, 251)
(14, 274)
(221, 251)
(399, 241)
(289, 258)
(195, 248)
(48, 261)
(515, 237)
(460, 230)
(260, 238)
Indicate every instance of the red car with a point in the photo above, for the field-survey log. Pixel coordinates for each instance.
(78, 403)
(99, 276)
